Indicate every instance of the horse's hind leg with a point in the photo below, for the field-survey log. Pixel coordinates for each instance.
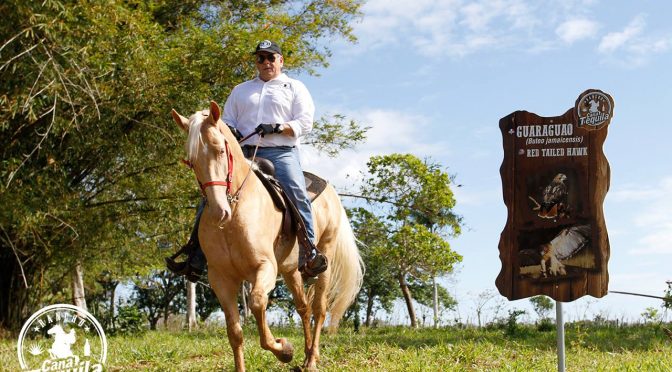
(295, 286)
(263, 283)
(319, 306)
(227, 293)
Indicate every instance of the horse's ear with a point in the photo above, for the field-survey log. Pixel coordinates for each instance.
(181, 121)
(215, 111)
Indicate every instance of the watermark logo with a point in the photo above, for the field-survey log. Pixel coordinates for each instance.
(62, 338)
(594, 109)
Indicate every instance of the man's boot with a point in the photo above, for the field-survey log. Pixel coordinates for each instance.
(197, 265)
(193, 267)
(311, 261)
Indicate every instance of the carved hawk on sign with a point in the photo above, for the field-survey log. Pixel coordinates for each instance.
(565, 245)
(554, 199)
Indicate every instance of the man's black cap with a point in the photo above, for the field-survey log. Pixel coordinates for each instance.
(268, 46)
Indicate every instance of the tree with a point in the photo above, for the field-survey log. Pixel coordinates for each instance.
(330, 136)
(418, 205)
(424, 294)
(206, 302)
(542, 305)
(379, 285)
(667, 303)
(481, 300)
(418, 254)
(651, 315)
(281, 298)
(90, 174)
(104, 300)
(158, 296)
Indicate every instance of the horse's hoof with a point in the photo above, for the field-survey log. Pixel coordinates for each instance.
(296, 369)
(309, 369)
(287, 353)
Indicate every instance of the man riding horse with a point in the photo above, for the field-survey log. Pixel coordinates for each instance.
(285, 110)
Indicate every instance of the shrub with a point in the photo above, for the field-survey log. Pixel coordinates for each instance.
(545, 325)
(130, 320)
(512, 327)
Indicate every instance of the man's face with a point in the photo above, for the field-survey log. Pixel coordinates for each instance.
(269, 65)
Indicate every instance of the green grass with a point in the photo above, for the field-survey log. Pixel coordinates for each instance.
(589, 348)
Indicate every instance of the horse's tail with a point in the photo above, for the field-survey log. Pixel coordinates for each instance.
(347, 272)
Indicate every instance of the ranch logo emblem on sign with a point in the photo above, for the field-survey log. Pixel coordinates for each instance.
(62, 338)
(555, 178)
(594, 108)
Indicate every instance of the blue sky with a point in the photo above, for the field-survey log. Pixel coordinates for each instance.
(433, 78)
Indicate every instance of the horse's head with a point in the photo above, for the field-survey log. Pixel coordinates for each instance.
(56, 330)
(208, 150)
(60, 336)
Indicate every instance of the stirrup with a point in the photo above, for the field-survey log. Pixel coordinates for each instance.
(187, 267)
(194, 276)
(315, 267)
(192, 273)
(179, 268)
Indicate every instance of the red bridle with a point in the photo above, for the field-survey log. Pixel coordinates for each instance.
(229, 174)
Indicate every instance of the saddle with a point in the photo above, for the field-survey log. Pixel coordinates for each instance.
(291, 220)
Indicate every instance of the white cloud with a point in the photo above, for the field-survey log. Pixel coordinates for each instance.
(631, 193)
(458, 28)
(654, 220)
(576, 29)
(632, 47)
(452, 27)
(616, 40)
(391, 132)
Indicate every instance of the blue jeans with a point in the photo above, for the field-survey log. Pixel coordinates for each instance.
(288, 172)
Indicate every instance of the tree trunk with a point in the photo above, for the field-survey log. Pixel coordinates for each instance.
(191, 306)
(409, 300)
(78, 293)
(152, 323)
(112, 298)
(369, 308)
(166, 313)
(356, 322)
(436, 304)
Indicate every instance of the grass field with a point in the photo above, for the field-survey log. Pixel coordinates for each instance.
(589, 348)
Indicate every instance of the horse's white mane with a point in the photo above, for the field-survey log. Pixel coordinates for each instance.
(195, 138)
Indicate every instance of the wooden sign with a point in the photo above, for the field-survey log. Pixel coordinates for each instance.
(555, 178)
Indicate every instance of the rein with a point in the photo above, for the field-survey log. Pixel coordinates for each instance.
(232, 199)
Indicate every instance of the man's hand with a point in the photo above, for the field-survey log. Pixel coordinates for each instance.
(264, 129)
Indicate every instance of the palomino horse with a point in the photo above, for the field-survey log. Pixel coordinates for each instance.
(240, 236)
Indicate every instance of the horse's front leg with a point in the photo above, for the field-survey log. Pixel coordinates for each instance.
(227, 294)
(262, 285)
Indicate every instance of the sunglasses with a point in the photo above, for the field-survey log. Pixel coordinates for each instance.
(262, 57)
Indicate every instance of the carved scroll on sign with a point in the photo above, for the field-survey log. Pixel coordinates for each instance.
(555, 178)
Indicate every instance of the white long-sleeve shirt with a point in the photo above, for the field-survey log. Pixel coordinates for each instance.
(281, 100)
